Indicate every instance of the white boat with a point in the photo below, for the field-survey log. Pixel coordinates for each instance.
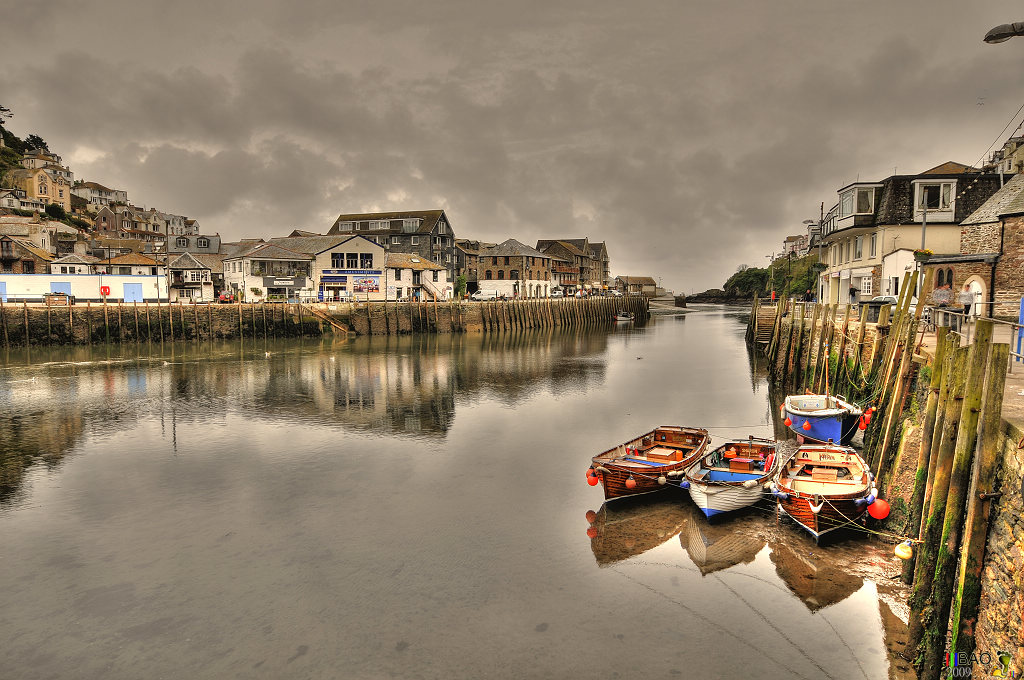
(731, 477)
(623, 316)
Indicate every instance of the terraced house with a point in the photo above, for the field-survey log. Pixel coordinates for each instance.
(869, 237)
(514, 269)
(426, 233)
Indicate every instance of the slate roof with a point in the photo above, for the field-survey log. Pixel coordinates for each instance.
(213, 262)
(409, 261)
(76, 259)
(999, 203)
(269, 251)
(95, 185)
(33, 248)
(429, 220)
(950, 168)
(310, 245)
(512, 247)
(186, 261)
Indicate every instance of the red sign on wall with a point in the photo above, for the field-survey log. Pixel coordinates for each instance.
(104, 290)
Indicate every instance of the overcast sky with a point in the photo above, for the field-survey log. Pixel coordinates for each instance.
(691, 136)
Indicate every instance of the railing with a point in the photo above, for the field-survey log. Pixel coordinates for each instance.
(962, 324)
(429, 286)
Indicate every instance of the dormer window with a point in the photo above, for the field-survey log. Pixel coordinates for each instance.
(935, 196)
(857, 201)
(410, 225)
(203, 243)
(183, 243)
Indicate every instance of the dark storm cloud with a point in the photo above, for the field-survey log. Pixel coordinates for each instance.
(691, 136)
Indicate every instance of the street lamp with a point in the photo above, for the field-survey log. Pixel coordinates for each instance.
(1004, 32)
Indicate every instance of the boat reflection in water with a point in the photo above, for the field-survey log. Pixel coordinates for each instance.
(817, 582)
(713, 547)
(628, 527)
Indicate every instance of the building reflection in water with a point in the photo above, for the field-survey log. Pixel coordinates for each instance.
(395, 386)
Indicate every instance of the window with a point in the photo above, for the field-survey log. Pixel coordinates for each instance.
(337, 260)
(935, 196)
(416, 278)
(488, 275)
(865, 201)
(398, 292)
(195, 276)
(64, 270)
(865, 285)
(847, 251)
(833, 249)
(447, 257)
(366, 260)
(494, 260)
(203, 243)
(414, 240)
(182, 243)
(60, 192)
(351, 260)
(941, 279)
(28, 267)
(872, 247)
(441, 227)
(514, 274)
(396, 239)
(846, 204)
(506, 260)
(435, 275)
(858, 248)
(344, 226)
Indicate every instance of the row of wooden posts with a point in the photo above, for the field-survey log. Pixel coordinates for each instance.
(956, 461)
(523, 314)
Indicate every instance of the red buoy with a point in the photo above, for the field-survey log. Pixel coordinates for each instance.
(782, 406)
(863, 424)
(591, 516)
(592, 481)
(879, 509)
(592, 532)
(787, 422)
(806, 425)
(631, 483)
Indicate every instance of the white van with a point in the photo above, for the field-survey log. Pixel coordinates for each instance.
(484, 295)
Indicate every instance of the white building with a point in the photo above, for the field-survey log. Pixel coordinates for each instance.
(411, 277)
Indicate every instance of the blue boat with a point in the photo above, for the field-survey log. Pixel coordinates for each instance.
(822, 418)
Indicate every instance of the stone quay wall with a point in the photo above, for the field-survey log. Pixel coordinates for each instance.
(83, 324)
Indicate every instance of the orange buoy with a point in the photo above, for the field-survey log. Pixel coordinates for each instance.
(631, 483)
(591, 516)
(806, 425)
(591, 532)
(862, 424)
(592, 481)
(879, 509)
(788, 422)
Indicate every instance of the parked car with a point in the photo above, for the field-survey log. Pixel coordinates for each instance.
(226, 297)
(615, 293)
(557, 293)
(484, 295)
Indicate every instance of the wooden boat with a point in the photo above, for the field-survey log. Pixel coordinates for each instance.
(822, 418)
(733, 476)
(649, 463)
(622, 316)
(824, 487)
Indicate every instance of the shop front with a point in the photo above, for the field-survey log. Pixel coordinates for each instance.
(347, 284)
(284, 288)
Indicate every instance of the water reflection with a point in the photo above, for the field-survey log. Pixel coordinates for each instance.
(406, 386)
(721, 545)
(629, 527)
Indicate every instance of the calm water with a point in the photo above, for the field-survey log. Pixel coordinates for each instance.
(410, 508)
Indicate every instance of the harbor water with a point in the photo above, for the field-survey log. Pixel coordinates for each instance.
(406, 507)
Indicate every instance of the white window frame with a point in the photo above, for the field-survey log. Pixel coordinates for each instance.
(870, 193)
(858, 248)
(396, 239)
(414, 240)
(202, 243)
(873, 248)
(846, 204)
(865, 286)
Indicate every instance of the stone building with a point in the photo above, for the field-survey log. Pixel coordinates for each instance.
(591, 259)
(990, 257)
(20, 256)
(514, 269)
(427, 233)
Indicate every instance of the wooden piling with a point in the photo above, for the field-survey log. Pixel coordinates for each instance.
(924, 450)
(149, 328)
(3, 317)
(937, 614)
(88, 320)
(120, 326)
(924, 570)
(983, 480)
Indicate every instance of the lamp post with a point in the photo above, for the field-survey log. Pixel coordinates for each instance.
(1004, 32)
(771, 273)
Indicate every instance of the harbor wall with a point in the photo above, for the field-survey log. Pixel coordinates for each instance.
(88, 323)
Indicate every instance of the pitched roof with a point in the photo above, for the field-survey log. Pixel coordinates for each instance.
(310, 245)
(33, 248)
(300, 232)
(512, 247)
(409, 261)
(637, 280)
(74, 258)
(429, 220)
(95, 185)
(215, 263)
(186, 261)
(950, 168)
(269, 251)
(132, 259)
(1001, 202)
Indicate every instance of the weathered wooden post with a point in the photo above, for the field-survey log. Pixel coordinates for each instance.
(979, 505)
(120, 326)
(88, 320)
(241, 333)
(924, 451)
(149, 328)
(24, 306)
(135, 308)
(937, 614)
(3, 317)
(924, 571)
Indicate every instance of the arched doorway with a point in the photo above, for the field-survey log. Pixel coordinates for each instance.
(977, 286)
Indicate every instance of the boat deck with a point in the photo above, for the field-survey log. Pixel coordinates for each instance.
(842, 486)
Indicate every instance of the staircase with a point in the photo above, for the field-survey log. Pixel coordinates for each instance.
(432, 288)
(325, 317)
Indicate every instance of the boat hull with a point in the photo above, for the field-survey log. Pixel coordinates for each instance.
(823, 488)
(836, 514)
(654, 461)
(714, 499)
(822, 419)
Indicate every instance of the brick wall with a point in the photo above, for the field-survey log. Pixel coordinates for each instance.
(1010, 270)
(979, 238)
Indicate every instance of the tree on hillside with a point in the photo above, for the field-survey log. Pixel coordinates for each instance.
(56, 211)
(36, 142)
(751, 281)
(5, 113)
